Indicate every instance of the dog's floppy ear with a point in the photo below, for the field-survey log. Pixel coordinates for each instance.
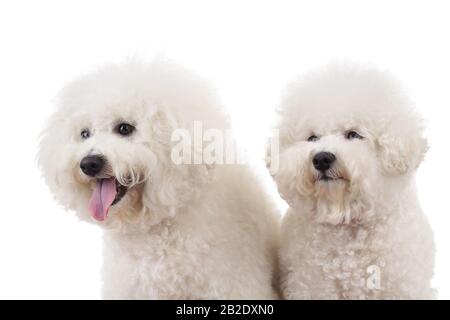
(401, 145)
(55, 156)
(52, 147)
(48, 142)
(172, 183)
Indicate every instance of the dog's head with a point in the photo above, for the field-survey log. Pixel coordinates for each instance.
(346, 133)
(106, 152)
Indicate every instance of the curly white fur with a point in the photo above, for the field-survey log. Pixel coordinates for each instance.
(181, 231)
(362, 236)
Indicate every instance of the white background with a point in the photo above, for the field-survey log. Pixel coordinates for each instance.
(250, 50)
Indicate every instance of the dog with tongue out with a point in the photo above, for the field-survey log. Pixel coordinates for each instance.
(172, 230)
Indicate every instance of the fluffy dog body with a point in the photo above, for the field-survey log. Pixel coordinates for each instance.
(170, 231)
(218, 248)
(349, 147)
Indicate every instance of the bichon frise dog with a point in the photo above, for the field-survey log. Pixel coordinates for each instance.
(188, 231)
(350, 144)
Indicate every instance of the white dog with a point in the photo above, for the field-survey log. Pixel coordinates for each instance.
(350, 144)
(170, 231)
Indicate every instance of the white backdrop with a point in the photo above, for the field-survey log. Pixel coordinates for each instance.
(250, 49)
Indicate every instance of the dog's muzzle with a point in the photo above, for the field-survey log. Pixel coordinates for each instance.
(107, 191)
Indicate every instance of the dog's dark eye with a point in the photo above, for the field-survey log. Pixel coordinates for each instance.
(125, 129)
(85, 133)
(313, 138)
(353, 135)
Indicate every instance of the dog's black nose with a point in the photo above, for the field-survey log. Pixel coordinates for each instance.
(92, 165)
(323, 160)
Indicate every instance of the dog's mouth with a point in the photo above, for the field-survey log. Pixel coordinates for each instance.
(326, 177)
(121, 191)
(107, 192)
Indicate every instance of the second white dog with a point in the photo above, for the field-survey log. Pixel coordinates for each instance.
(350, 145)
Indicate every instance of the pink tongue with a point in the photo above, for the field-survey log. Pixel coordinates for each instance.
(102, 198)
